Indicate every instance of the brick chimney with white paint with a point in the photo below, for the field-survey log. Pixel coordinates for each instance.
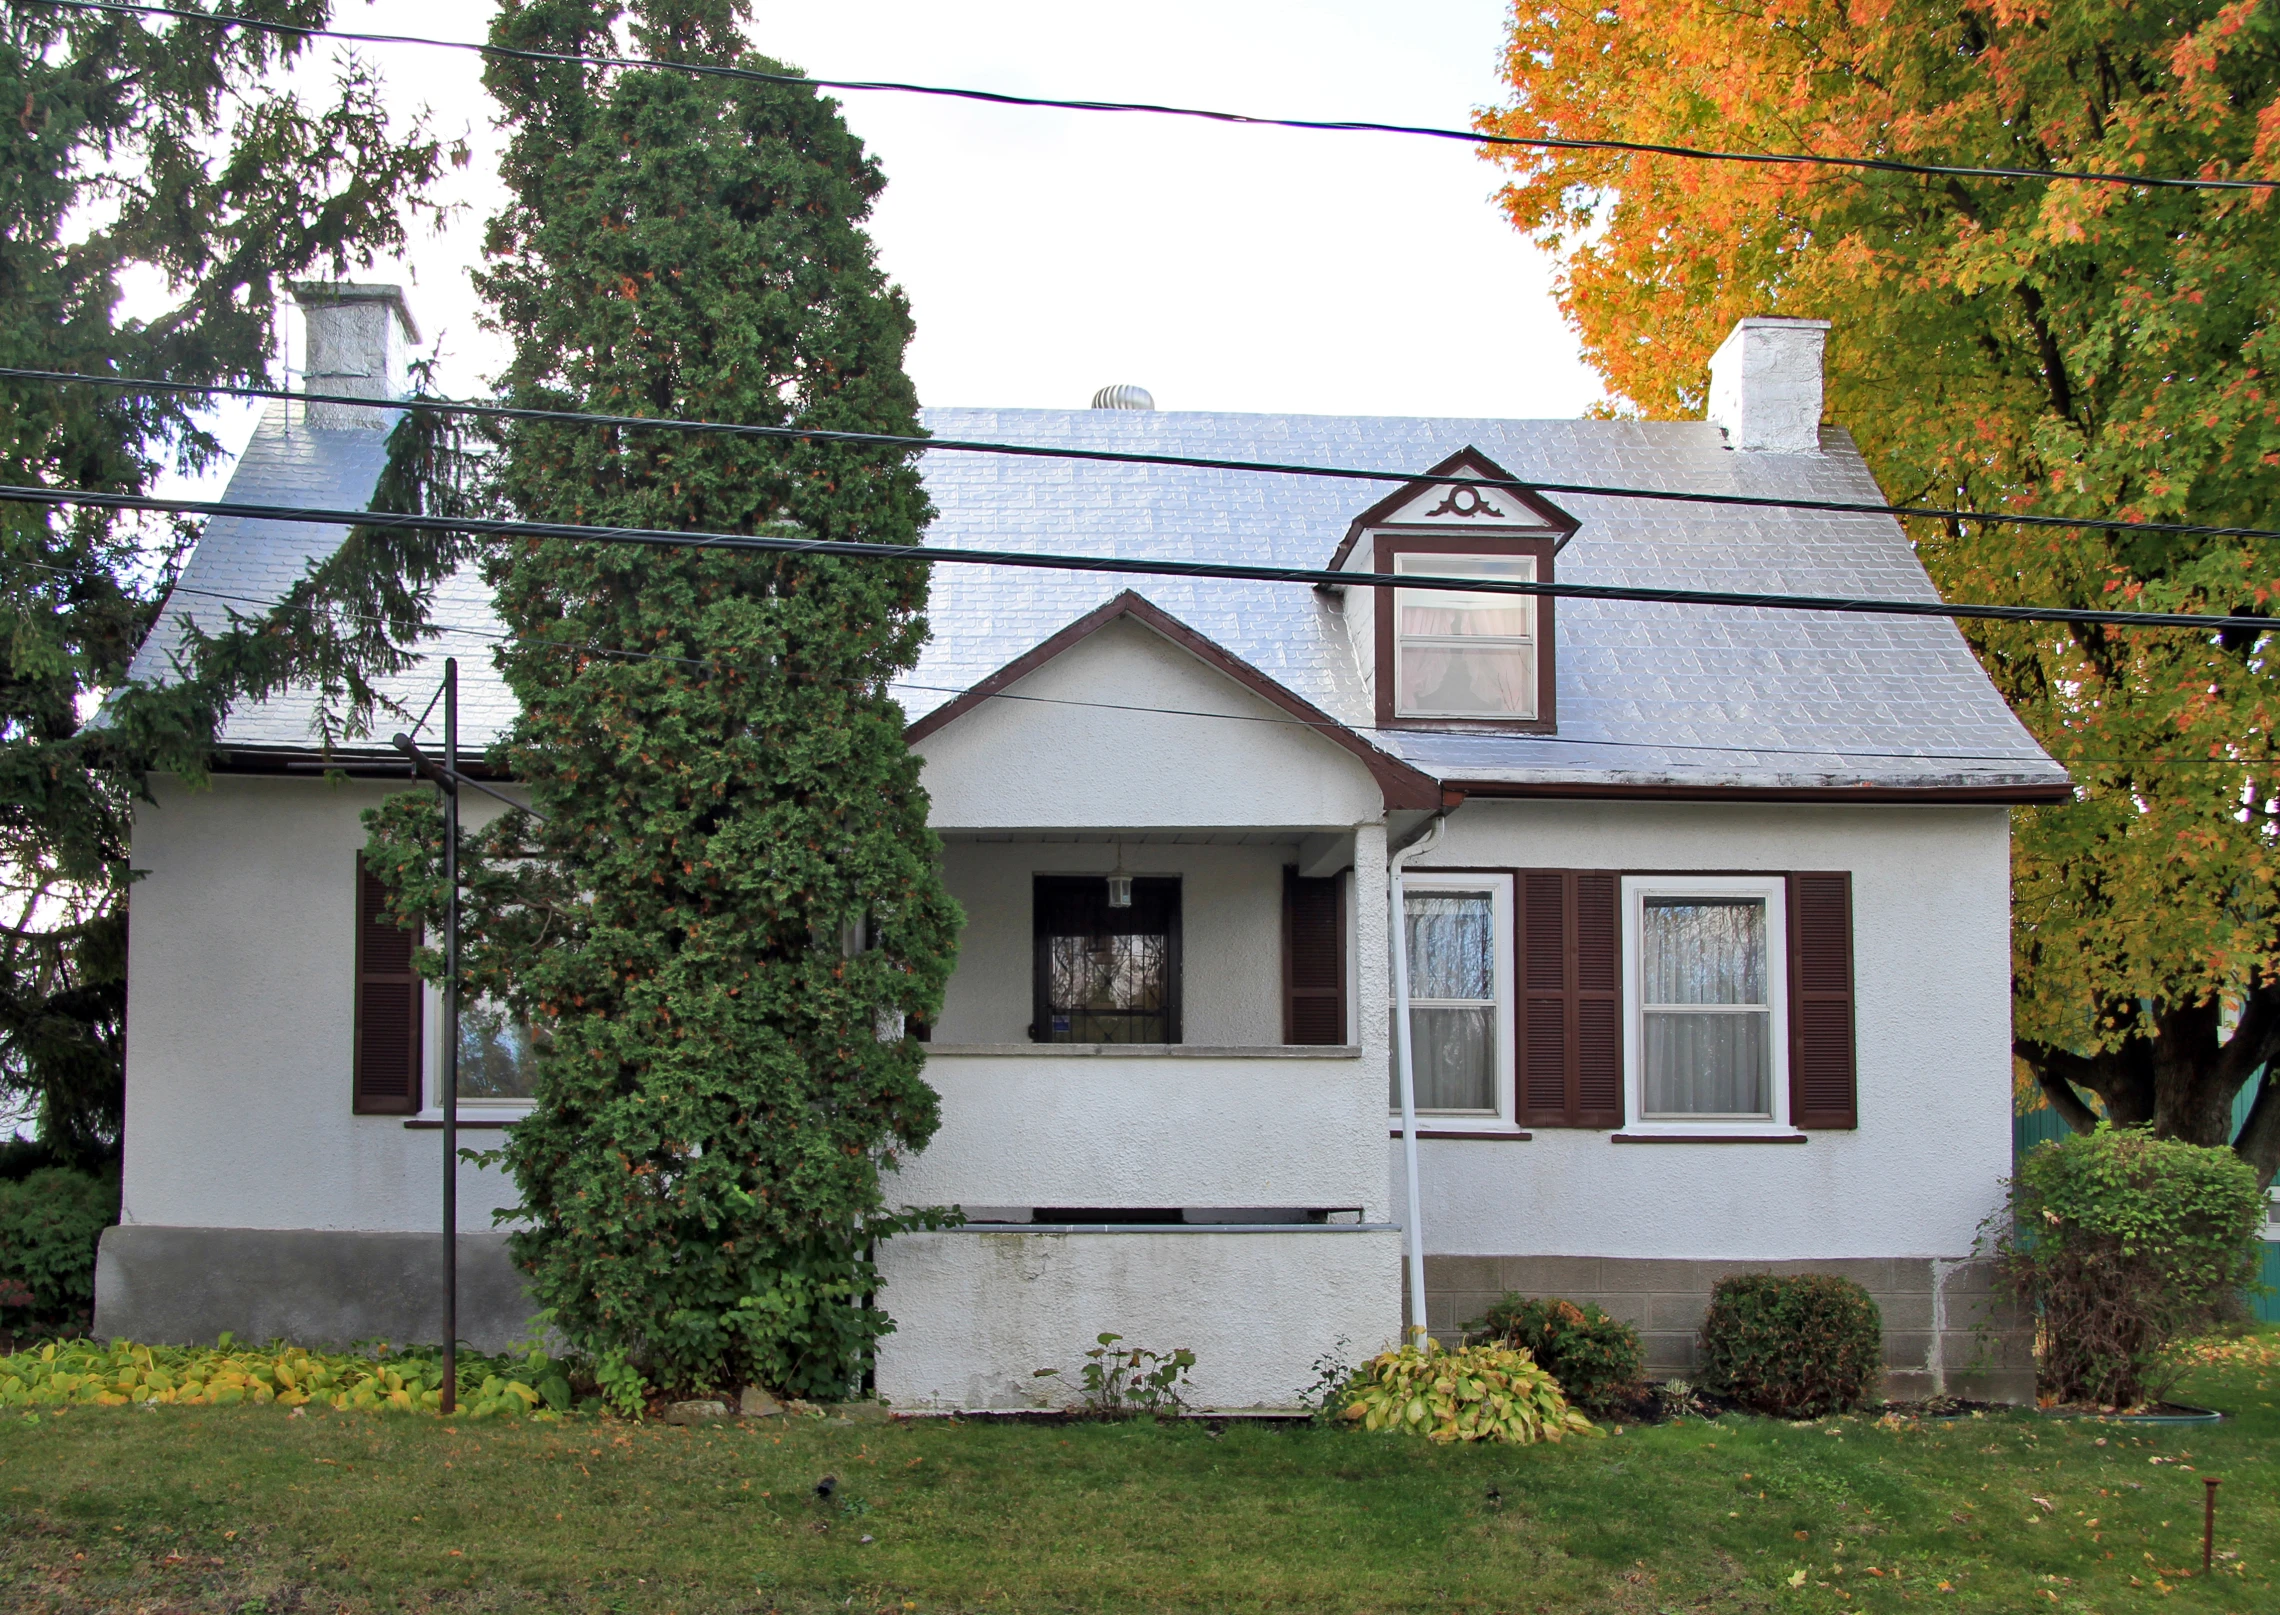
(358, 335)
(1765, 385)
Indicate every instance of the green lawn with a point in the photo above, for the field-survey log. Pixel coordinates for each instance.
(250, 1509)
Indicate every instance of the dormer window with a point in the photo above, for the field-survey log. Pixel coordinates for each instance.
(1464, 655)
(1459, 658)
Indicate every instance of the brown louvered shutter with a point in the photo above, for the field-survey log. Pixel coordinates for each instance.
(1314, 960)
(387, 1047)
(1570, 999)
(1822, 1090)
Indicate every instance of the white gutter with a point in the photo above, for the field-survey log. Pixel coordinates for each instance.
(1405, 1063)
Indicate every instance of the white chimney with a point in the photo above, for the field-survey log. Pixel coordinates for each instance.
(357, 338)
(1765, 385)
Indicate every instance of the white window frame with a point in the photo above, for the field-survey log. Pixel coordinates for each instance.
(1501, 975)
(1421, 563)
(1773, 889)
(431, 1071)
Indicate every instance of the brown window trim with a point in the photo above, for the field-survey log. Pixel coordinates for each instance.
(1393, 541)
(1453, 1132)
(433, 1124)
(1708, 1138)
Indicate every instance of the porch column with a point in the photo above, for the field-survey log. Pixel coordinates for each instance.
(1373, 961)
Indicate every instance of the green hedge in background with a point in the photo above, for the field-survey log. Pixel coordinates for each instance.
(50, 1220)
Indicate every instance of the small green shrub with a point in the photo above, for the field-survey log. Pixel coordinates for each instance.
(1796, 1345)
(1475, 1393)
(1120, 1379)
(1597, 1359)
(49, 1223)
(2124, 1244)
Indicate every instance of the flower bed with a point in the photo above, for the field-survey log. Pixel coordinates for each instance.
(81, 1372)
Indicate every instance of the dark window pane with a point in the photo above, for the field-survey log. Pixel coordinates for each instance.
(495, 1054)
(1109, 974)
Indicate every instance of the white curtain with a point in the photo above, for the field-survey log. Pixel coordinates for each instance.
(1702, 984)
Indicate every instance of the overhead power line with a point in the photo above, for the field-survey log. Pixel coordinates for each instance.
(468, 633)
(1470, 137)
(1241, 571)
(805, 434)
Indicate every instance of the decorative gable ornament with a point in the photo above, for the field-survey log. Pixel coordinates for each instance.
(1451, 498)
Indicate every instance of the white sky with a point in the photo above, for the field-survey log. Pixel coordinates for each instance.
(1047, 253)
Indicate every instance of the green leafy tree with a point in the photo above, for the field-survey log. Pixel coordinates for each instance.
(162, 156)
(732, 899)
(2015, 345)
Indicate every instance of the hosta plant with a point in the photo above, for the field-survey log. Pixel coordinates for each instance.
(1475, 1393)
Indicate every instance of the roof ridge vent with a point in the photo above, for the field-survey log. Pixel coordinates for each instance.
(1123, 396)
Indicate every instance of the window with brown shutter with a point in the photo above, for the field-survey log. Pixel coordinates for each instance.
(388, 995)
(1314, 959)
(1822, 1087)
(1571, 999)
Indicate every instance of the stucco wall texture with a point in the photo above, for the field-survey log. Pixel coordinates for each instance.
(242, 964)
(1070, 753)
(1931, 956)
(977, 1314)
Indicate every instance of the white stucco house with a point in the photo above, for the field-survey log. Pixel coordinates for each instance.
(1707, 910)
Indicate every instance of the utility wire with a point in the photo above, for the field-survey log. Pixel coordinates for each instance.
(471, 634)
(804, 434)
(669, 538)
(1470, 137)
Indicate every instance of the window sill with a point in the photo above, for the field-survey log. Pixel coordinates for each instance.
(1708, 1138)
(1149, 1051)
(1505, 1134)
(434, 1124)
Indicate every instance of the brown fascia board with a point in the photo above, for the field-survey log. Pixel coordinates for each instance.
(1466, 459)
(303, 761)
(1402, 785)
(1998, 795)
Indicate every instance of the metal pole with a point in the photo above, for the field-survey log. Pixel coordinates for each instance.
(450, 1061)
(2209, 1523)
(1403, 1052)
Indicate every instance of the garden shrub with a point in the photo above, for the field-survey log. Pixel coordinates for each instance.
(49, 1223)
(80, 1372)
(2124, 1244)
(1475, 1393)
(1796, 1345)
(1596, 1358)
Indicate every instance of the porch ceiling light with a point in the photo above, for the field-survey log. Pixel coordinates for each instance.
(1119, 883)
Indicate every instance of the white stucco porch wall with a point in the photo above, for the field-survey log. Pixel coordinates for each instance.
(1052, 1129)
(1931, 940)
(1072, 754)
(977, 1314)
(241, 1010)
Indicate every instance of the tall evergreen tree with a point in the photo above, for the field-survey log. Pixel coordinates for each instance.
(160, 154)
(733, 899)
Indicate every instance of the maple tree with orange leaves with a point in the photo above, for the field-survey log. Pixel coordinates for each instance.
(2064, 347)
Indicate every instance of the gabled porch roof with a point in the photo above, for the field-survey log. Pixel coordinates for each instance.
(1404, 787)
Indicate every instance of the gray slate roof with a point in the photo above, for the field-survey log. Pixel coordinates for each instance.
(1654, 695)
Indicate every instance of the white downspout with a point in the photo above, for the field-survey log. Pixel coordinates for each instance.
(1415, 1220)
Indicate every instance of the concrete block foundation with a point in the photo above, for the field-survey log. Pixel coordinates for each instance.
(311, 1286)
(1945, 1331)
